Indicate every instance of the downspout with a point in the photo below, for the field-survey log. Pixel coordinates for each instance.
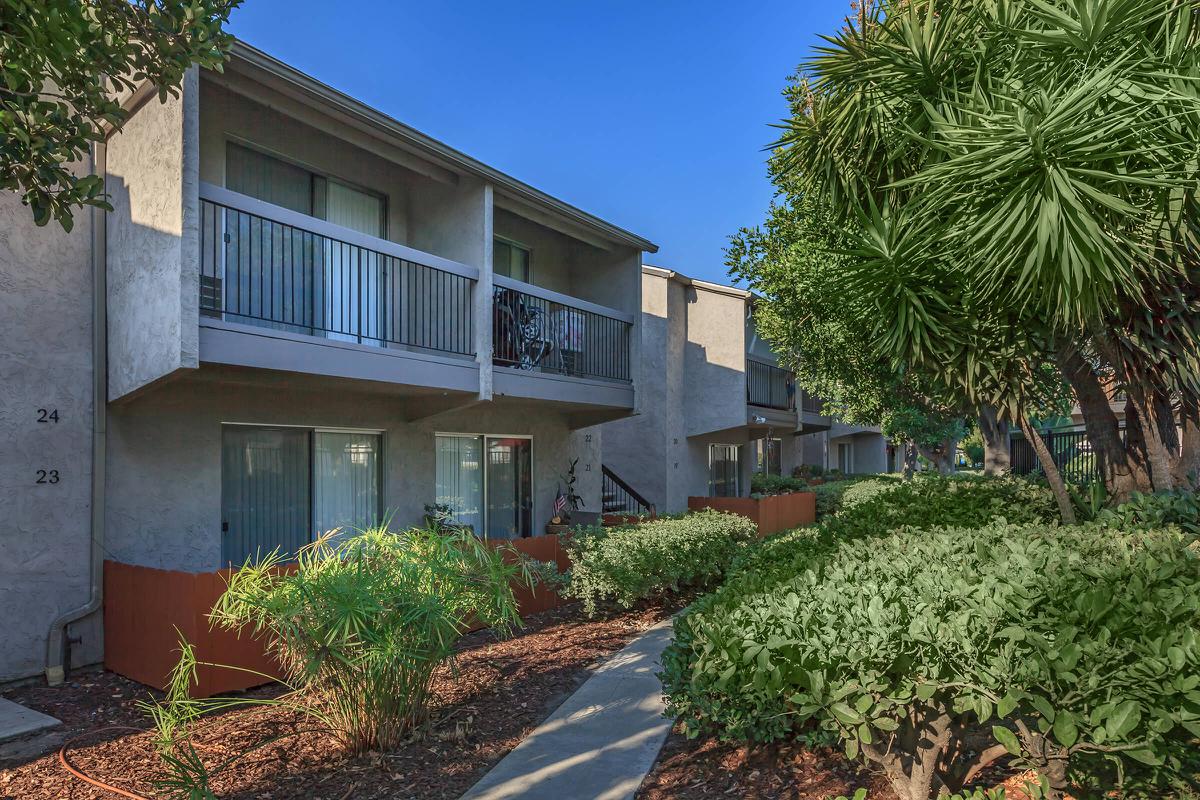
(56, 642)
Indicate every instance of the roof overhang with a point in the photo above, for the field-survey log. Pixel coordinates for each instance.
(249, 60)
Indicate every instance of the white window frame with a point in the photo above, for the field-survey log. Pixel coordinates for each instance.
(484, 498)
(520, 246)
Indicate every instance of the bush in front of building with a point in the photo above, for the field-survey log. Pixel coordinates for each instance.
(359, 625)
(626, 564)
(929, 653)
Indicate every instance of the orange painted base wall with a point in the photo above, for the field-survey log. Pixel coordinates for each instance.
(143, 607)
(772, 514)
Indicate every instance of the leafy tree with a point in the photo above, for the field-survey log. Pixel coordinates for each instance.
(66, 66)
(1025, 179)
(796, 261)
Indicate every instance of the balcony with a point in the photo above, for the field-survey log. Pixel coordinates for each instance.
(538, 330)
(269, 274)
(265, 265)
(769, 386)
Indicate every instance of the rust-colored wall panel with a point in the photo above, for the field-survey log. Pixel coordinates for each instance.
(147, 610)
(772, 514)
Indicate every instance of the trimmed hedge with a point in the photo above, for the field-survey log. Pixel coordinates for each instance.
(1075, 648)
(627, 564)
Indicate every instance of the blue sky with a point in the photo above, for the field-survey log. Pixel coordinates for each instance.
(650, 114)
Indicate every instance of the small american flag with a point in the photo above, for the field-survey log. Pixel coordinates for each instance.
(560, 503)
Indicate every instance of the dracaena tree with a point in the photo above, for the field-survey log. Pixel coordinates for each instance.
(66, 65)
(1027, 165)
(795, 260)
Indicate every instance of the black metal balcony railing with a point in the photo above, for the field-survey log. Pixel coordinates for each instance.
(535, 333)
(769, 386)
(811, 404)
(260, 271)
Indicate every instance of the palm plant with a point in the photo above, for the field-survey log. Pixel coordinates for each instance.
(1030, 166)
(361, 624)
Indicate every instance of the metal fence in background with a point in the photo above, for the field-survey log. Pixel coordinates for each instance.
(1070, 450)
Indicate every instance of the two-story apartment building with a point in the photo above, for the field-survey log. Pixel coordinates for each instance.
(715, 406)
(300, 314)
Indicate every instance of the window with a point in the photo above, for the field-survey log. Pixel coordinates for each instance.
(723, 471)
(280, 183)
(768, 456)
(280, 487)
(487, 481)
(845, 452)
(511, 260)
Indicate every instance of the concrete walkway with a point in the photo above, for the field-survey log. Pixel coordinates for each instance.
(600, 743)
(17, 721)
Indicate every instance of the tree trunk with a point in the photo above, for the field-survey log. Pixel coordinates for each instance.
(1050, 469)
(1121, 476)
(940, 455)
(1158, 457)
(910, 459)
(996, 458)
(1186, 469)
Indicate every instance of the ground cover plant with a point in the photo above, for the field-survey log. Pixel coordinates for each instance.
(931, 653)
(626, 564)
(359, 625)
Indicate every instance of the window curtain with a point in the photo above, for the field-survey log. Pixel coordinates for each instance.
(345, 481)
(265, 500)
(459, 482)
(509, 488)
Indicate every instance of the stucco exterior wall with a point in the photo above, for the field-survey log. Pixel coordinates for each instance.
(715, 362)
(228, 116)
(869, 452)
(164, 482)
(153, 242)
(45, 363)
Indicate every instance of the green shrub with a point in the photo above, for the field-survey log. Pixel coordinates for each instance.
(930, 501)
(864, 490)
(763, 483)
(359, 625)
(1074, 648)
(627, 564)
(830, 494)
(1158, 510)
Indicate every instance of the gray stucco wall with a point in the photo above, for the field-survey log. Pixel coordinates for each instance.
(45, 363)
(639, 448)
(715, 362)
(153, 244)
(869, 452)
(164, 482)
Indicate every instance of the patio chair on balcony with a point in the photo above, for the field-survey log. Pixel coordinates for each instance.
(519, 331)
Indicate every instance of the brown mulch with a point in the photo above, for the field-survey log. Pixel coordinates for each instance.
(704, 769)
(499, 693)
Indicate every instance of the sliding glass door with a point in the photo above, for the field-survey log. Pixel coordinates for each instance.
(509, 488)
(345, 481)
(723, 470)
(265, 500)
(282, 487)
(487, 481)
(460, 478)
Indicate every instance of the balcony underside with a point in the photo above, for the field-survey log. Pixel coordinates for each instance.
(255, 346)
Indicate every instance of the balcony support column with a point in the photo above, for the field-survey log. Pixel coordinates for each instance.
(483, 296)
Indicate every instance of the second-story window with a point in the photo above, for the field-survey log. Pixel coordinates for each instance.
(511, 260)
(282, 183)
